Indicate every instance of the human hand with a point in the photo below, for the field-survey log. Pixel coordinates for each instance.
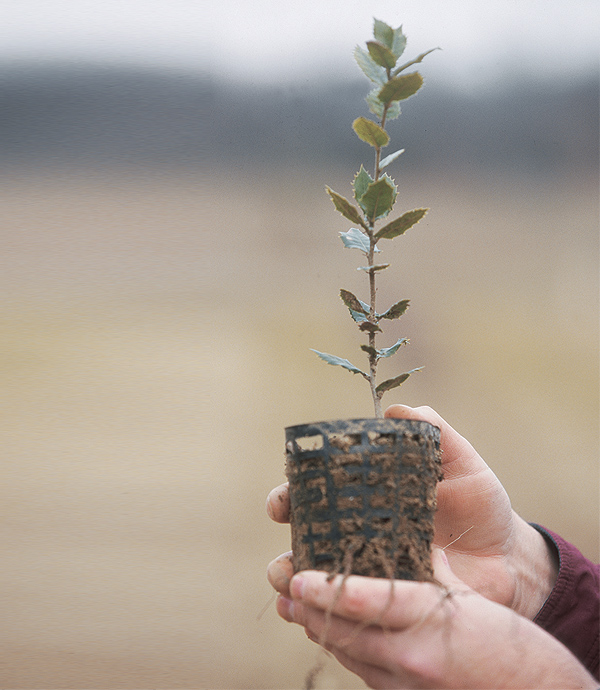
(401, 634)
(487, 544)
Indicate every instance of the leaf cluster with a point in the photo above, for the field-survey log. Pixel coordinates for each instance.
(375, 194)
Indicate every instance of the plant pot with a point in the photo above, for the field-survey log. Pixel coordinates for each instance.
(363, 496)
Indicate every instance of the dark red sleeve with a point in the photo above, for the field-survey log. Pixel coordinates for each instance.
(572, 611)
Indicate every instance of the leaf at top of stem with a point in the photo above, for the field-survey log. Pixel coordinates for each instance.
(390, 159)
(381, 54)
(371, 132)
(353, 303)
(356, 239)
(400, 88)
(338, 361)
(396, 310)
(362, 179)
(347, 209)
(401, 225)
(370, 68)
(379, 198)
(377, 107)
(394, 39)
(383, 33)
(395, 382)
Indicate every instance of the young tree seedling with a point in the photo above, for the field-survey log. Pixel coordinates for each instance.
(376, 195)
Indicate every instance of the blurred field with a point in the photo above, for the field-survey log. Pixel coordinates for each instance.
(155, 343)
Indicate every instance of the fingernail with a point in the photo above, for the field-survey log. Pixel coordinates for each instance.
(297, 587)
(285, 608)
(269, 509)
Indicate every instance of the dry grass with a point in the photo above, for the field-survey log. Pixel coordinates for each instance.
(146, 391)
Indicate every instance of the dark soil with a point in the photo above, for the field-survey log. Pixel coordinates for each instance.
(363, 497)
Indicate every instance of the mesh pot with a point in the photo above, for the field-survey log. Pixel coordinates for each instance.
(363, 496)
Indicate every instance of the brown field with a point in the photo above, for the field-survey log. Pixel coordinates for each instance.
(155, 343)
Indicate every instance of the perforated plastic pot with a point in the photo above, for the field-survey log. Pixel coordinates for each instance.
(363, 496)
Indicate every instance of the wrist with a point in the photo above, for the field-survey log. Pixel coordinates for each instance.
(534, 564)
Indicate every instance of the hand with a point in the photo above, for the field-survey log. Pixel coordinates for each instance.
(420, 635)
(487, 544)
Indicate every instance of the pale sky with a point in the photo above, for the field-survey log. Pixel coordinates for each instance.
(276, 40)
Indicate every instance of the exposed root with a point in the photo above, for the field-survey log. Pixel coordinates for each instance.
(266, 606)
(457, 538)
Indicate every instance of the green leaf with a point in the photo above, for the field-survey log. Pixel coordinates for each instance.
(372, 269)
(347, 209)
(381, 54)
(371, 351)
(353, 303)
(356, 239)
(370, 68)
(396, 310)
(379, 198)
(383, 33)
(339, 362)
(401, 225)
(398, 42)
(418, 59)
(389, 351)
(395, 382)
(390, 159)
(371, 132)
(362, 180)
(400, 88)
(377, 107)
(369, 327)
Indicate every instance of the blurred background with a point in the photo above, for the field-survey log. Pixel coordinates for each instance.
(169, 256)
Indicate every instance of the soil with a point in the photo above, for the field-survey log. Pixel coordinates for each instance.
(363, 497)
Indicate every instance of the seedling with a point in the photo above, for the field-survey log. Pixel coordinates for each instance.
(376, 195)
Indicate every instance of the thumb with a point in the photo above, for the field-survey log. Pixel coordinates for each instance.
(443, 572)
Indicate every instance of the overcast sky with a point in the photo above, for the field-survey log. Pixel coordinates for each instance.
(277, 40)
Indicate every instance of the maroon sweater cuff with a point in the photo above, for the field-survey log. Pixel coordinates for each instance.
(572, 611)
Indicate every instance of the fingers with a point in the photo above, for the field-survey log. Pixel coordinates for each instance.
(458, 455)
(394, 604)
(278, 504)
(280, 572)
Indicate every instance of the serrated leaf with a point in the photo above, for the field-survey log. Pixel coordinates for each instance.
(379, 198)
(398, 42)
(395, 382)
(376, 267)
(396, 310)
(400, 88)
(370, 68)
(371, 132)
(356, 239)
(352, 302)
(347, 209)
(389, 351)
(362, 180)
(381, 54)
(371, 351)
(370, 327)
(339, 362)
(383, 33)
(390, 159)
(401, 225)
(377, 107)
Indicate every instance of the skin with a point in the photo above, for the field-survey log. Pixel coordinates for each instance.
(474, 631)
